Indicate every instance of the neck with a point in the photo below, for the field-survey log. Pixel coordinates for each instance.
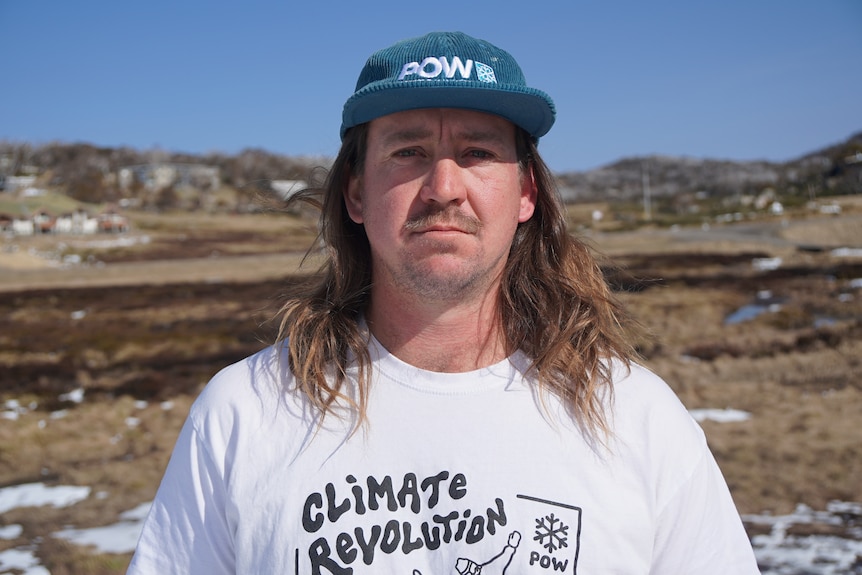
(446, 338)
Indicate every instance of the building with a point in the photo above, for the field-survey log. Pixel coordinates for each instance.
(157, 176)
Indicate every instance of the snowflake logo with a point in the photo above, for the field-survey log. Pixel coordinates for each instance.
(551, 533)
(485, 73)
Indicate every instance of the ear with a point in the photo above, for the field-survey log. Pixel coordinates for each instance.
(353, 198)
(529, 193)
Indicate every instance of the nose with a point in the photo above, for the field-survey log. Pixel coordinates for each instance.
(444, 183)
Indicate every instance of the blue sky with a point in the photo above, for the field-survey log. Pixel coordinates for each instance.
(727, 79)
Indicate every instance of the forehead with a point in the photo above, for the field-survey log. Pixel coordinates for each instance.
(434, 122)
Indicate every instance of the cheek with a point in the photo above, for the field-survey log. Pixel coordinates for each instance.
(506, 205)
(387, 203)
(381, 217)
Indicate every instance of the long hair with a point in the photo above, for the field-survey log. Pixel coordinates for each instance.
(555, 305)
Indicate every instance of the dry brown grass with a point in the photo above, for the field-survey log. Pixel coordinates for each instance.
(158, 332)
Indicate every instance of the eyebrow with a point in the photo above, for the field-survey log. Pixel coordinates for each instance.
(490, 136)
(405, 136)
(410, 135)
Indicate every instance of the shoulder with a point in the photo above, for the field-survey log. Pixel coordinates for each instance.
(646, 413)
(638, 388)
(248, 387)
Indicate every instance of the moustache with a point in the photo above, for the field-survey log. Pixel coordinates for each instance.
(448, 216)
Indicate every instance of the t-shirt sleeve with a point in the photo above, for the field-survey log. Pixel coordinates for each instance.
(187, 529)
(700, 531)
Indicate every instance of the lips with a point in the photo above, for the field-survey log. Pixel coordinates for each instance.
(442, 228)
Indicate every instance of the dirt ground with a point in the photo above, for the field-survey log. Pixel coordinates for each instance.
(139, 326)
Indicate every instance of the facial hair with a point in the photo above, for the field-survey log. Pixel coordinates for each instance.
(415, 275)
(449, 215)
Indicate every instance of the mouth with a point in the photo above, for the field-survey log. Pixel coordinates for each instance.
(441, 228)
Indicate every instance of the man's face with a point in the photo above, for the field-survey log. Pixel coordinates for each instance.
(440, 197)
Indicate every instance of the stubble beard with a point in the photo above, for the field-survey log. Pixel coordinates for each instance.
(453, 285)
(433, 280)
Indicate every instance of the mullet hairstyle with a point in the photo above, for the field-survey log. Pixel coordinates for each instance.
(555, 304)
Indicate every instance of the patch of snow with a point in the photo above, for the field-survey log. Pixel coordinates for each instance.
(38, 494)
(23, 560)
(782, 554)
(766, 264)
(75, 396)
(8, 532)
(846, 253)
(138, 513)
(123, 242)
(14, 409)
(121, 537)
(720, 415)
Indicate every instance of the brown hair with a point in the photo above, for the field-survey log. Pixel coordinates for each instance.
(555, 305)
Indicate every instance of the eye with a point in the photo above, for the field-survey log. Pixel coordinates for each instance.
(406, 153)
(479, 154)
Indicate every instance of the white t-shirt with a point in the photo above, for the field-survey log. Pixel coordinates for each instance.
(453, 474)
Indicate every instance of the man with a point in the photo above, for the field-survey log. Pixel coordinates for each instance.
(454, 393)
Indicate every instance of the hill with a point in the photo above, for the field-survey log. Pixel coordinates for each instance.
(836, 170)
(158, 180)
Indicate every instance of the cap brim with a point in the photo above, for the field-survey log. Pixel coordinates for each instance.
(528, 108)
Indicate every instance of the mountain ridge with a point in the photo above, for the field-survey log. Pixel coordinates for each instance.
(836, 168)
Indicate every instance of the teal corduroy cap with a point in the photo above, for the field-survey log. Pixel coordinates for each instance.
(447, 70)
